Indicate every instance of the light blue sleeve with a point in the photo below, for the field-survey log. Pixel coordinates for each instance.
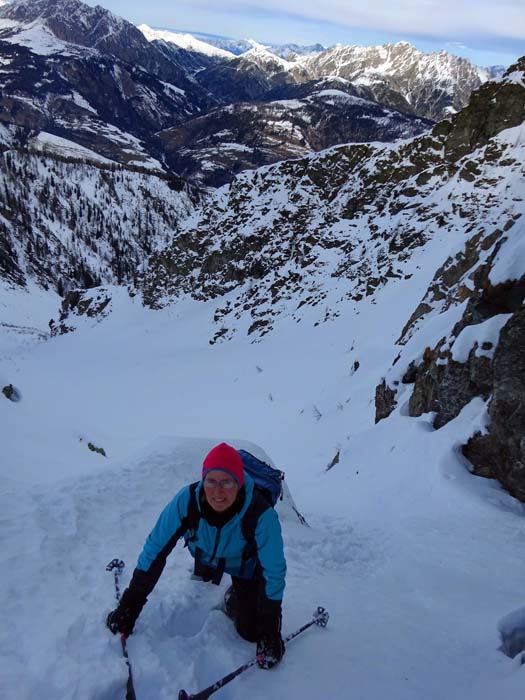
(166, 532)
(270, 551)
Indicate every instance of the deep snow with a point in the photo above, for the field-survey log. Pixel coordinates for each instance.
(417, 561)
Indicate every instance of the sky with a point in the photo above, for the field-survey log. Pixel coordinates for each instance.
(484, 31)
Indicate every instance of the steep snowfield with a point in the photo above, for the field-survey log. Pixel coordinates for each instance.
(416, 560)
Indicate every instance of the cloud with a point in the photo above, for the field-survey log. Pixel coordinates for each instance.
(453, 19)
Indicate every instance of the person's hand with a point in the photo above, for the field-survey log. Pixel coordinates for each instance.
(122, 619)
(270, 650)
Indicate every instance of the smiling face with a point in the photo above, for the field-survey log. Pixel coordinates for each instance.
(221, 489)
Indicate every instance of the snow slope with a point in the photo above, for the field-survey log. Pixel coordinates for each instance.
(417, 561)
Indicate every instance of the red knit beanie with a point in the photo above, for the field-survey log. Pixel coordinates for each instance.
(227, 459)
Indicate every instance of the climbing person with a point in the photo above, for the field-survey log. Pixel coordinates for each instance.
(229, 526)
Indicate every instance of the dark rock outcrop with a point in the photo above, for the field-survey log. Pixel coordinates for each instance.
(500, 452)
(445, 386)
(98, 450)
(93, 303)
(385, 400)
(11, 393)
(494, 107)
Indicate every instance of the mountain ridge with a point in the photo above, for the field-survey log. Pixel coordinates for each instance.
(84, 75)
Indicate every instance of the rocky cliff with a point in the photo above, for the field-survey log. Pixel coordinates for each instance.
(480, 353)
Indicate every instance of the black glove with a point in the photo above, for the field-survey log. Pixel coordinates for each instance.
(270, 651)
(123, 618)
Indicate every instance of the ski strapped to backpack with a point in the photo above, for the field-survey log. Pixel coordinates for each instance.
(267, 491)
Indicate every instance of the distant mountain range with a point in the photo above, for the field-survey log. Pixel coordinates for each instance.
(240, 46)
(154, 99)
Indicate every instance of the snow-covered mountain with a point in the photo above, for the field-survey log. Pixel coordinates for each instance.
(71, 221)
(356, 315)
(58, 54)
(429, 85)
(185, 41)
(240, 46)
(74, 22)
(234, 46)
(83, 74)
(291, 122)
(293, 51)
(433, 85)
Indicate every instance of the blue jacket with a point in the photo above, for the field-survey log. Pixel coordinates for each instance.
(216, 543)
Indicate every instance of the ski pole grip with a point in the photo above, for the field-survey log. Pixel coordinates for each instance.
(115, 564)
(321, 617)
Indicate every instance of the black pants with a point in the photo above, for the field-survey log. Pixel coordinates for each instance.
(246, 606)
(253, 614)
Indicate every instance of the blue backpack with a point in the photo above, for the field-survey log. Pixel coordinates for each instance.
(268, 481)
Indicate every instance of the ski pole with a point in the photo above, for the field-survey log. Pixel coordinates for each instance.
(117, 566)
(320, 618)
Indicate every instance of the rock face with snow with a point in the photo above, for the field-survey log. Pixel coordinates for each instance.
(500, 451)
(352, 212)
(482, 355)
(78, 303)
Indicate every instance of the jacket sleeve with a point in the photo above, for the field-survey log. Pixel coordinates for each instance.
(160, 542)
(270, 552)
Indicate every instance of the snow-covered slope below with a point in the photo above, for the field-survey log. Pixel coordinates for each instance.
(399, 540)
